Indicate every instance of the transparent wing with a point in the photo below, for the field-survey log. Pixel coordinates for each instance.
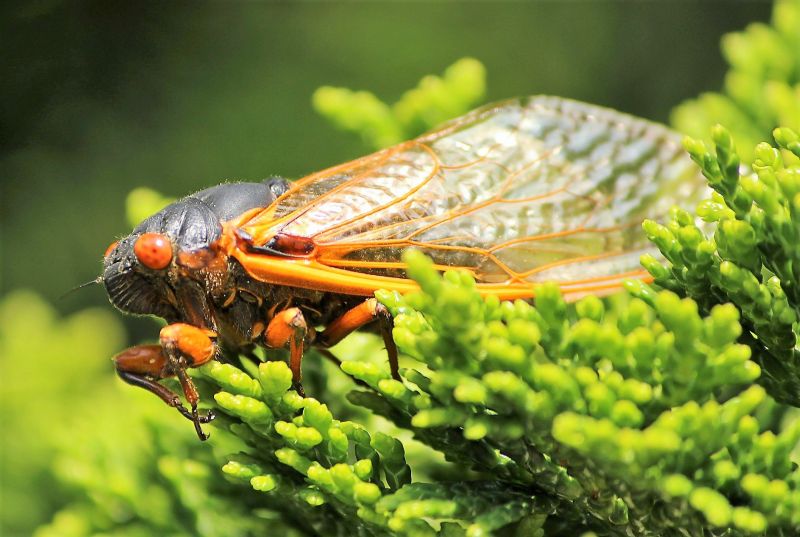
(522, 191)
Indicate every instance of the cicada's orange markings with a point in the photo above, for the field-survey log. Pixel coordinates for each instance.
(379, 232)
(356, 264)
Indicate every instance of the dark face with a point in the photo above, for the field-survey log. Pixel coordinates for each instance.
(168, 265)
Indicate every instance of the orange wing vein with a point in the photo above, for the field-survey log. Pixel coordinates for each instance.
(517, 193)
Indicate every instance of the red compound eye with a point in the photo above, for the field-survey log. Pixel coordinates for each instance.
(153, 250)
(110, 248)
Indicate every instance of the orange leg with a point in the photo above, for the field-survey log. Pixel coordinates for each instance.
(182, 346)
(366, 312)
(289, 329)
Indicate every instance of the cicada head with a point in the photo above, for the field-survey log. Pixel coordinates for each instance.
(141, 272)
(173, 254)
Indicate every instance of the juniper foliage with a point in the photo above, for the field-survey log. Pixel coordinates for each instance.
(748, 252)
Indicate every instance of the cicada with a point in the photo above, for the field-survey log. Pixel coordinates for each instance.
(515, 193)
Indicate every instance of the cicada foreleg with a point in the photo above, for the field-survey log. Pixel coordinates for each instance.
(182, 346)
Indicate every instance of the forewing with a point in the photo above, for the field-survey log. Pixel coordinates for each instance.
(522, 191)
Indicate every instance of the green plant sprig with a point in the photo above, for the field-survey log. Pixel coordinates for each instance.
(434, 101)
(748, 255)
(308, 462)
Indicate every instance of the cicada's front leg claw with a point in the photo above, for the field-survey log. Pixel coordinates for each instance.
(195, 415)
(182, 346)
(197, 418)
(188, 346)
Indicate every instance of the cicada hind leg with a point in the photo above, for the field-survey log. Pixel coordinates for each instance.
(368, 311)
(289, 329)
(182, 346)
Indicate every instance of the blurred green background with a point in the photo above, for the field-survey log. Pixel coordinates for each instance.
(101, 97)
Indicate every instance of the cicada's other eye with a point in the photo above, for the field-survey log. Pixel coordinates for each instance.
(110, 248)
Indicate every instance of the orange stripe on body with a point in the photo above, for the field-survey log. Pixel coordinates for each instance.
(310, 274)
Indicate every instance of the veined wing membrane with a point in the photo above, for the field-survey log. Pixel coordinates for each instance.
(519, 192)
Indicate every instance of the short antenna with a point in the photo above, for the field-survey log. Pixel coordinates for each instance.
(97, 280)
